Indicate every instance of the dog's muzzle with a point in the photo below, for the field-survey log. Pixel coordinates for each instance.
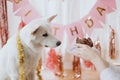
(46, 46)
(58, 43)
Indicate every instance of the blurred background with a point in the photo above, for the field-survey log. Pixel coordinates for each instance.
(68, 12)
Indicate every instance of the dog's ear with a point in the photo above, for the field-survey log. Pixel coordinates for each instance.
(35, 30)
(51, 18)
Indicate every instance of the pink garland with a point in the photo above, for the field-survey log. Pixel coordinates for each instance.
(3, 22)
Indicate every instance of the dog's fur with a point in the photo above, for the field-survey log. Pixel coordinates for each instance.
(34, 36)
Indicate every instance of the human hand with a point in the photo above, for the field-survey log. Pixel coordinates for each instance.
(85, 52)
(90, 54)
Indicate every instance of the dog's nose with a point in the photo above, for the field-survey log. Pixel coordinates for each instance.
(58, 43)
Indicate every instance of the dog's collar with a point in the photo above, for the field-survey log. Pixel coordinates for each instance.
(21, 58)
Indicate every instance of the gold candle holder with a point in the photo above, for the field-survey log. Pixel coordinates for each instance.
(76, 67)
(59, 67)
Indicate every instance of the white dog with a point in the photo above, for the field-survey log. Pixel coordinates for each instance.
(34, 36)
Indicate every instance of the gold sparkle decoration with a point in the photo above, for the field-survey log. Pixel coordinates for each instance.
(27, 13)
(17, 1)
(21, 58)
(38, 69)
(21, 61)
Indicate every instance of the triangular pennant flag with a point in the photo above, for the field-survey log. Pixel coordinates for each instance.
(17, 4)
(74, 30)
(58, 31)
(111, 4)
(29, 13)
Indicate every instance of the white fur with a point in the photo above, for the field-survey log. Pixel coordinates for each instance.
(33, 44)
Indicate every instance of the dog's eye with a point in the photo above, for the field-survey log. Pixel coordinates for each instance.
(45, 35)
